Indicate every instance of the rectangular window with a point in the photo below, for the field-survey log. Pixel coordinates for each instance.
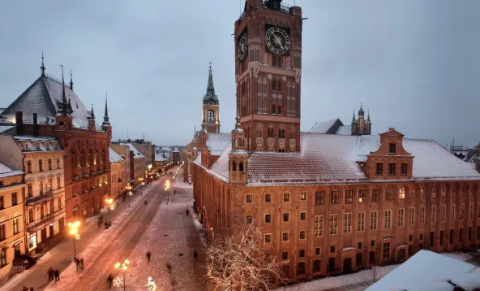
(268, 198)
(452, 213)
(444, 213)
(362, 196)
(286, 197)
(451, 236)
(404, 169)
(2, 232)
(412, 216)
(286, 217)
(301, 253)
(49, 185)
(3, 257)
(469, 233)
(286, 270)
(285, 256)
(372, 243)
(303, 196)
(441, 237)
(15, 226)
(319, 198)
(349, 197)
(392, 148)
(373, 220)
(318, 226)
(422, 214)
(462, 211)
(268, 238)
(268, 218)
(59, 184)
(388, 219)
(303, 234)
(375, 195)
(248, 198)
(334, 197)
(30, 190)
(347, 222)
(1, 203)
(400, 216)
(470, 212)
(379, 169)
(391, 169)
(460, 235)
(386, 250)
(14, 199)
(285, 236)
(361, 221)
(332, 249)
(432, 237)
(443, 191)
(333, 224)
(303, 215)
(318, 251)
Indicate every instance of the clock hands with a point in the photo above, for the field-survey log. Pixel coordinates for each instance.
(278, 41)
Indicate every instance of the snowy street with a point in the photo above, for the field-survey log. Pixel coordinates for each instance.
(161, 227)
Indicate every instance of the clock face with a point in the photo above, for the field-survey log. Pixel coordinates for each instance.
(277, 40)
(242, 46)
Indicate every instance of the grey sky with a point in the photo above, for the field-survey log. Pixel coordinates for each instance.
(414, 64)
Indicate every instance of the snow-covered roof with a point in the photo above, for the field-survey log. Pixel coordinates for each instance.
(159, 157)
(136, 153)
(344, 130)
(114, 157)
(4, 128)
(166, 149)
(334, 126)
(37, 143)
(44, 97)
(217, 142)
(427, 270)
(8, 172)
(324, 126)
(327, 158)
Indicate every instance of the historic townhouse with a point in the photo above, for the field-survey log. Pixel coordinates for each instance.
(51, 108)
(12, 234)
(333, 200)
(41, 158)
(118, 175)
(138, 165)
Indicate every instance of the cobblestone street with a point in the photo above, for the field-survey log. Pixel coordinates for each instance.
(161, 227)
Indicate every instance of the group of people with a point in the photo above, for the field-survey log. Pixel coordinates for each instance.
(78, 262)
(53, 274)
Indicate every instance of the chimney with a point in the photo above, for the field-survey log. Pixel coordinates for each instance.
(19, 122)
(35, 125)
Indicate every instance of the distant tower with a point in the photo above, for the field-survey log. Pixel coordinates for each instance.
(106, 126)
(238, 156)
(64, 118)
(211, 107)
(361, 126)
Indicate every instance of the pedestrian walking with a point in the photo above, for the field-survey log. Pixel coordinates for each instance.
(195, 254)
(187, 212)
(174, 192)
(77, 262)
(57, 275)
(110, 281)
(81, 262)
(50, 274)
(149, 254)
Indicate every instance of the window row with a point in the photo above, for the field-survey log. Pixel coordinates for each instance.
(42, 166)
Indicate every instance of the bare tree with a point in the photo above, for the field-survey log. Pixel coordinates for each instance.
(237, 261)
(373, 274)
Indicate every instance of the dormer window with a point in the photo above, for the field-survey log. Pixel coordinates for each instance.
(25, 145)
(393, 148)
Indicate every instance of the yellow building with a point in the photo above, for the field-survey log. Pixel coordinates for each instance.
(118, 178)
(12, 233)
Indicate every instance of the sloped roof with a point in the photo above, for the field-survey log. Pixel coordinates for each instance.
(37, 143)
(8, 172)
(323, 127)
(217, 142)
(4, 128)
(327, 158)
(43, 97)
(114, 156)
(136, 153)
(425, 270)
(159, 157)
(344, 130)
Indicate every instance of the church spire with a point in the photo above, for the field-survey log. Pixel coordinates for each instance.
(353, 119)
(92, 114)
(42, 68)
(210, 97)
(64, 104)
(368, 115)
(71, 81)
(105, 117)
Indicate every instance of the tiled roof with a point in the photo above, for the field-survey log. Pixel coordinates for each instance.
(136, 153)
(43, 97)
(114, 157)
(7, 172)
(327, 158)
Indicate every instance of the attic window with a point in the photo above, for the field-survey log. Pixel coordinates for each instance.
(393, 148)
(26, 145)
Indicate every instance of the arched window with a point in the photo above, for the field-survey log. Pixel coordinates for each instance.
(259, 133)
(234, 166)
(279, 109)
(240, 167)
(292, 134)
(401, 255)
(270, 131)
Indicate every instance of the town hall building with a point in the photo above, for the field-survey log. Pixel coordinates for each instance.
(333, 200)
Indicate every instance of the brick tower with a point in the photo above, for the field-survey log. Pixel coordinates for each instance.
(268, 50)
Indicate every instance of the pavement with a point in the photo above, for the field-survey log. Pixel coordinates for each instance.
(161, 227)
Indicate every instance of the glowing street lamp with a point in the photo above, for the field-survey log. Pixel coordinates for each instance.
(122, 267)
(109, 201)
(129, 192)
(73, 227)
(151, 286)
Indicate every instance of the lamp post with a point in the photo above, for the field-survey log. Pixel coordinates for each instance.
(129, 192)
(73, 226)
(109, 201)
(122, 267)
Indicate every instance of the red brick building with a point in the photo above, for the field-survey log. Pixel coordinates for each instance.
(49, 107)
(326, 203)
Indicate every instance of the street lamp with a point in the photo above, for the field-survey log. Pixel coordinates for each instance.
(122, 267)
(73, 226)
(129, 192)
(109, 201)
(151, 286)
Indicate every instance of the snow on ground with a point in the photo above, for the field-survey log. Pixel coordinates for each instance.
(361, 279)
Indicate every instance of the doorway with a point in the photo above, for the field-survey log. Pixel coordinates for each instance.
(347, 265)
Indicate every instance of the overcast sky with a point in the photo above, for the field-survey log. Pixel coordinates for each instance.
(415, 64)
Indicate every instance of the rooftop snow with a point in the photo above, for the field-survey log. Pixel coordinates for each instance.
(423, 271)
(217, 142)
(159, 157)
(7, 172)
(136, 153)
(114, 157)
(4, 128)
(323, 127)
(37, 143)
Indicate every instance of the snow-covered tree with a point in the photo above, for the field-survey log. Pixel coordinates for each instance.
(237, 261)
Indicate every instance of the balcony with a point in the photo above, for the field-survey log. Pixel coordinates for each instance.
(39, 199)
(40, 223)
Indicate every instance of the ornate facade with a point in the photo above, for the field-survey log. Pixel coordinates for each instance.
(335, 203)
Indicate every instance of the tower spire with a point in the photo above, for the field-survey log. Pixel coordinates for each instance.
(71, 81)
(353, 119)
(368, 115)
(92, 114)
(42, 68)
(105, 117)
(210, 97)
(64, 104)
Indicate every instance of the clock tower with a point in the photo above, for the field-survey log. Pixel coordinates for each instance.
(210, 108)
(268, 50)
